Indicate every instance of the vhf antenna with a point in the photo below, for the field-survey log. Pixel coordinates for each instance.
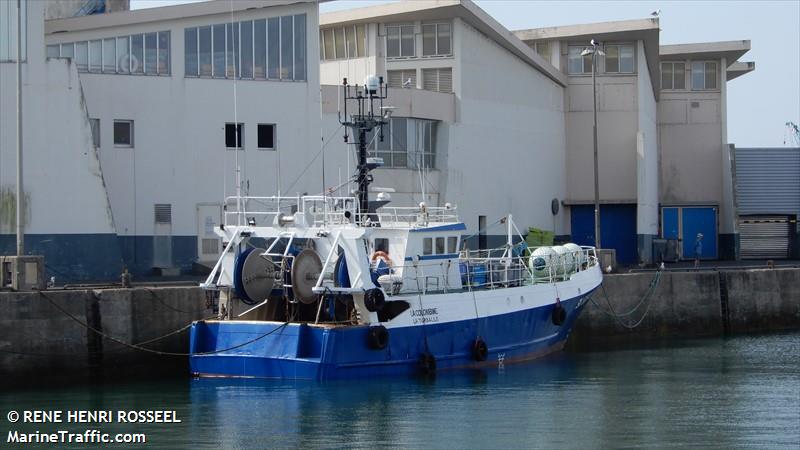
(362, 122)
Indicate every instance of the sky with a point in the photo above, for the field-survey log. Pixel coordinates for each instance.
(759, 103)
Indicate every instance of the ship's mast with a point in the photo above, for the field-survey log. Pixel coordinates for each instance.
(362, 122)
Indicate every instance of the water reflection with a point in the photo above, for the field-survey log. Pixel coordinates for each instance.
(722, 393)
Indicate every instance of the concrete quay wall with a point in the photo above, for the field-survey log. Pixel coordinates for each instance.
(40, 342)
(690, 304)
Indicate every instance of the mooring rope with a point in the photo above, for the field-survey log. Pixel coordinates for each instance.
(150, 350)
(618, 317)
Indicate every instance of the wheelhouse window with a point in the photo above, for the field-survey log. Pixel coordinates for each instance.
(577, 63)
(452, 244)
(400, 41)
(704, 75)
(427, 246)
(436, 39)
(673, 75)
(123, 133)
(619, 58)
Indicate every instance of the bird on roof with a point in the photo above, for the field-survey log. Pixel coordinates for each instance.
(656, 13)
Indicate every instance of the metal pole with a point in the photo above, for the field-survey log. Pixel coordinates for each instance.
(363, 175)
(19, 205)
(596, 176)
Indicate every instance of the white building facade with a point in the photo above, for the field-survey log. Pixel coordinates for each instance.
(183, 105)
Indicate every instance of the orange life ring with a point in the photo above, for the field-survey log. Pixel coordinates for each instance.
(382, 255)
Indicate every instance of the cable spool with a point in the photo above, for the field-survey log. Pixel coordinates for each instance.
(306, 268)
(253, 276)
(480, 351)
(377, 337)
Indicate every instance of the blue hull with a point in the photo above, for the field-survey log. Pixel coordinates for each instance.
(299, 351)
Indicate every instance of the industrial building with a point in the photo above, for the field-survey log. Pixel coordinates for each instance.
(167, 103)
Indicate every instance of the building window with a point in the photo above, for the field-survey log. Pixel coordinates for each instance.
(94, 125)
(266, 136)
(123, 133)
(137, 54)
(234, 135)
(123, 55)
(142, 54)
(619, 58)
(190, 52)
(673, 75)
(400, 41)
(543, 49)
(345, 42)
(436, 39)
(8, 31)
(273, 49)
(402, 78)
(96, 56)
(576, 63)
(407, 143)
(163, 53)
(439, 80)
(704, 75)
(82, 56)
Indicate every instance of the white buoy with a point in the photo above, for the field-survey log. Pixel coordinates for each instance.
(577, 256)
(564, 259)
(540, 262)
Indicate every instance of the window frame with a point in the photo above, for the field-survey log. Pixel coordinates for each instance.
(238, 133)
(437, 53)
(400, 34)
(705, 72)
(672, 64)
(619, 46)
(274, 137)
(584, 60)
(132, 140)
(360, 45)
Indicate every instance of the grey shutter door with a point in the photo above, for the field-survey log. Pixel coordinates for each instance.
(395, 78)
(430, 81)
(764, 237)
(446, 80)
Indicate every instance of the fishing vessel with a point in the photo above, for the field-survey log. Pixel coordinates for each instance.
(330, 287)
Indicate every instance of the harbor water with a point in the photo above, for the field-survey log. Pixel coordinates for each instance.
(720, 393)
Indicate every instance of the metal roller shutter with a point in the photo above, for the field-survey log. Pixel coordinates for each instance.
(764, 237)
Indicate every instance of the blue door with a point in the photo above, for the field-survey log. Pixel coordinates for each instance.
(617, 228)
(670, 223)
(701, 220)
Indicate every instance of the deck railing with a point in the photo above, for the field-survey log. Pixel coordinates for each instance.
(313, 209)
(414, 215)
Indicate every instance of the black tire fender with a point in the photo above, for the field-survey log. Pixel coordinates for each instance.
(377, 337)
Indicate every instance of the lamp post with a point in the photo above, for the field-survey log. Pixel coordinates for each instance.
(594, 50)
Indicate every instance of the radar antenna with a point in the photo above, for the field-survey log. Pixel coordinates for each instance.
(366, 118)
